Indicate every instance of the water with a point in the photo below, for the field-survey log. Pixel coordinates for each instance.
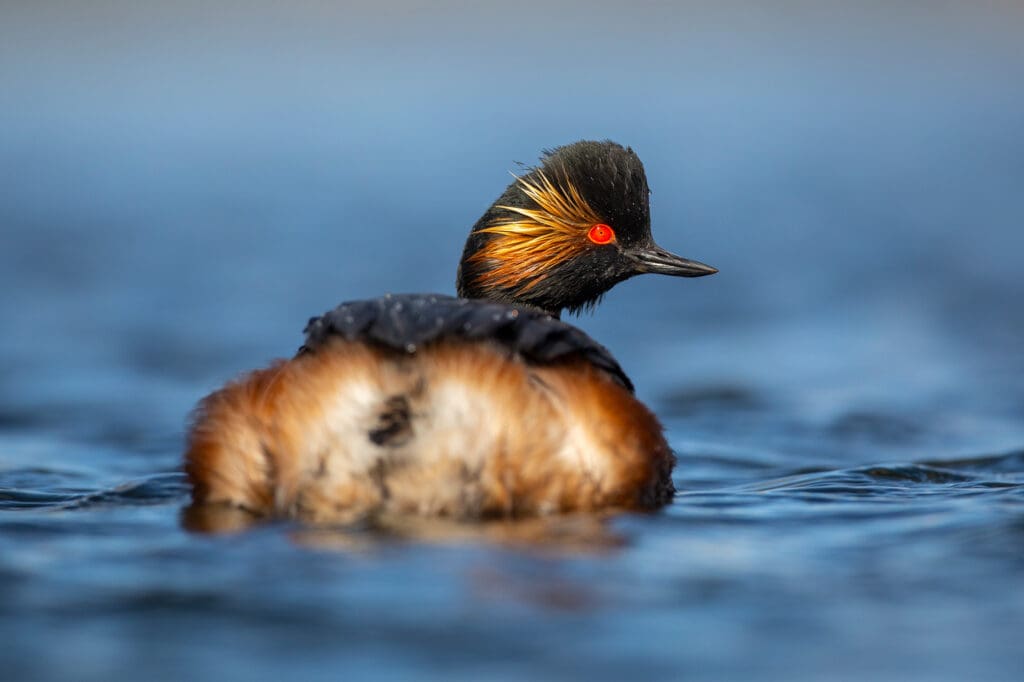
(183, 187)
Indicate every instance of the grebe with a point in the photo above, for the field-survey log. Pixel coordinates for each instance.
(472, 407)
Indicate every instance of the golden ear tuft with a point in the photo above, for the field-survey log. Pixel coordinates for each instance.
(533, 241)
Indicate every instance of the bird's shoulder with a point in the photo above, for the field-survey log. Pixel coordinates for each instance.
(408, 322)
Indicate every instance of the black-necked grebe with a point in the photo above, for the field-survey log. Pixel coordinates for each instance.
(478, 406)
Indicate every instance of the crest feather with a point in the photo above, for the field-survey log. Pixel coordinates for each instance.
(527, 245)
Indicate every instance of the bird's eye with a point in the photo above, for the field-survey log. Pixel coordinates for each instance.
(601, 234)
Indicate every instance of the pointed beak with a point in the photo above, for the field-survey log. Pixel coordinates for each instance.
(656, 260)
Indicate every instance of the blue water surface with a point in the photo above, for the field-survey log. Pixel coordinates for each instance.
(184, 184)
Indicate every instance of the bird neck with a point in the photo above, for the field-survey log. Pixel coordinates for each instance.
(468, 291)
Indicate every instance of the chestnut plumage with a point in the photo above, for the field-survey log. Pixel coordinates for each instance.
(481, 406)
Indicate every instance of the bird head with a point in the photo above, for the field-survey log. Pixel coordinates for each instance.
(567, 231)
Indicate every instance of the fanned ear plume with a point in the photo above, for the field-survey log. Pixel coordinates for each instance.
(531, 243)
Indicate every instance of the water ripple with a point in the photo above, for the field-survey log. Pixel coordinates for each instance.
(42, 489)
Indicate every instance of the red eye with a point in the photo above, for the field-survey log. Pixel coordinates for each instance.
(601, 234)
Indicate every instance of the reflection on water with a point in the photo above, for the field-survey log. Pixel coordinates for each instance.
(559, 535)
(184, 185)
(569, 534)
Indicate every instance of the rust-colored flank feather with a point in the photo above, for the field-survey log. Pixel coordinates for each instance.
(526, 247)
(458, 430)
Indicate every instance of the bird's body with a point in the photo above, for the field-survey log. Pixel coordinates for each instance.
(482, 406)
(433, 405)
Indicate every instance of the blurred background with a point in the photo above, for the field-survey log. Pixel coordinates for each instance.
(183, 184)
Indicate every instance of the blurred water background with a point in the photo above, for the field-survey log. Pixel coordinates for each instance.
(183, 184)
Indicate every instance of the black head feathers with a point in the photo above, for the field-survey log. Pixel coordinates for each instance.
(568, 230)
